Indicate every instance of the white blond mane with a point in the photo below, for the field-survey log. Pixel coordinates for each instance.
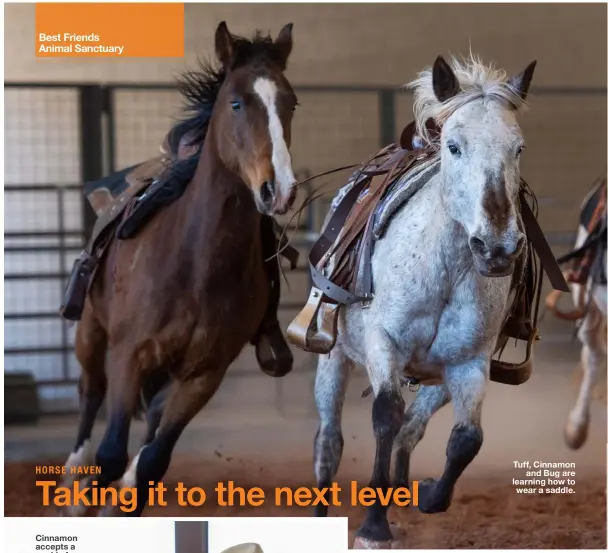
(476, 80)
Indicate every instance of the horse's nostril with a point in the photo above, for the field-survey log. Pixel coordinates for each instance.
(477, 244)
(267, 191)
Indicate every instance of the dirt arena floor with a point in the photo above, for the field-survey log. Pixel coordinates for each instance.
(268, 445)
(485, 513)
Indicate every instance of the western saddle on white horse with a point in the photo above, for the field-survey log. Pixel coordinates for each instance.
(340, 259)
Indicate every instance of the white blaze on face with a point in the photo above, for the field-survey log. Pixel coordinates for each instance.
(281, 159)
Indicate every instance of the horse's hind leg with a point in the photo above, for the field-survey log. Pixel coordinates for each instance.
(90, 347)
(330, 388)
(428, 401)
(185, 400)
(593, 355)
(466, 385)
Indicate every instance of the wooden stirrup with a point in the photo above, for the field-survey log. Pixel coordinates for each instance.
(514, 374)
(300, 332)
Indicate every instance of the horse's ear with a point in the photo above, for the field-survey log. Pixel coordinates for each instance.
(445, 83)
(521, 83)
(284, 42)
(224, 45)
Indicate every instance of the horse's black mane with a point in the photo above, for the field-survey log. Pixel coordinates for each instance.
(200, 89)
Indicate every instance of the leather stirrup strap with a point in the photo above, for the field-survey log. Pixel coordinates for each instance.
(367, 238)
(298, 332)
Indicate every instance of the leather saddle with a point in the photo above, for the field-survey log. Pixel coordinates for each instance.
(113, 199)
(124, 202)
(587, 259)
(587, 262)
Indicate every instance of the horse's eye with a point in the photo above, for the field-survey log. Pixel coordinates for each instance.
(454, 150)
(295, 106)
(521, 149)
(236, 106)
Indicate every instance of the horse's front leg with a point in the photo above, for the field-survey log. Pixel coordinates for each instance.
(428, 401)
(384, 364)
(330, 388)
(466, 385)
(185, 398)
(113, 455)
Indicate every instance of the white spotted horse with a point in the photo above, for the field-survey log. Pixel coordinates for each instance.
(423, 270)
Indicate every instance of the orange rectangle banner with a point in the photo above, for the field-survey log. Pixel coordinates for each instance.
(109, 30)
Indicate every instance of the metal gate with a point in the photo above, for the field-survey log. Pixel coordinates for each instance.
(44, 231)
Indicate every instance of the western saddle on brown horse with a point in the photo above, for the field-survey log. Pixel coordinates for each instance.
(127, 200)
(346, 244)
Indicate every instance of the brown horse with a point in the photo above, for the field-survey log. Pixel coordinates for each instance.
(182, 298)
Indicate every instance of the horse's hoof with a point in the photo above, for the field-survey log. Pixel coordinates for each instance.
(576, 434)
(374, 535)
(364, 543)
(110, 511)
(74, 511)
(273, 354)
(431, 499)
